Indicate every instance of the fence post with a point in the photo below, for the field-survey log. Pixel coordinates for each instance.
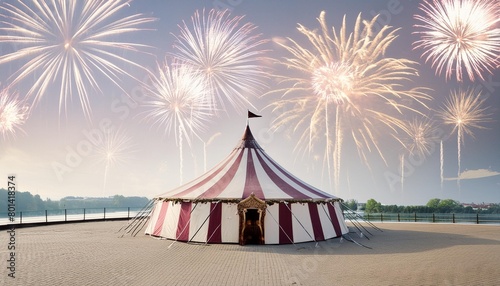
(477, 218)
(368, 216)
(128, 213)
(381, 217)
(433, 217)
(65, 215)
(46, 219)
(104, 213)
(83, 213)
(453, 216)
(415, 217)
(399, 219)
(20, 217)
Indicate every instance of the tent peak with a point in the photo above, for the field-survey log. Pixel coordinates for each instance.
(248, 141)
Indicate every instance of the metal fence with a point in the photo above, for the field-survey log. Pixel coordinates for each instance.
(434, 217)
(86, 214)
(69, 215)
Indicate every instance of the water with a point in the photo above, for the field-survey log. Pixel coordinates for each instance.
(71, 215)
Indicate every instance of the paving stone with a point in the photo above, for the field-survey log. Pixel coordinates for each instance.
(403, 254)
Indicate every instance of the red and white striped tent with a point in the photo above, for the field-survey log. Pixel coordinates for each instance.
(247, 198)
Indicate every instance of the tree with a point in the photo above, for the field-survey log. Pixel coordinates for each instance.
(352, 204)
(372, 206)
(51, 205)
(433, 203)
(118, 200)
(391, 209)
(448, 206)
(25, 201)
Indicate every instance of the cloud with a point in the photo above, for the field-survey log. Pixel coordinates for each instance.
(475, 174)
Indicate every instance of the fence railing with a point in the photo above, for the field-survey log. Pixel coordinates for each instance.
(473, 218)
(68, 215)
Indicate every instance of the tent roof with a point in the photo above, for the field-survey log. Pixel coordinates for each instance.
(247, 169)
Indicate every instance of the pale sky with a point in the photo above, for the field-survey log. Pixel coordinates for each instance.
(57, 155)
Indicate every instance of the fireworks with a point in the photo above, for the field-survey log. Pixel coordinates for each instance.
(422, 137)
(227, 54)
(345, 74)
(460, 34)
(13, 114)
(177, 101)
(115, 147)
(421, 141)
(69, 42)
(464, 110)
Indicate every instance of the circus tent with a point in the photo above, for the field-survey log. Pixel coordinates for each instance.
(247, 198)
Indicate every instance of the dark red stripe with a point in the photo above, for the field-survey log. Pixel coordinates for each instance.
(335, 221)
(222, 183)
(316, 222)
(207, 179)
(278, 181)
(252, 184)
(294, 179)
(214, 223)
(183, 224)
(160, 219)
(285, 221)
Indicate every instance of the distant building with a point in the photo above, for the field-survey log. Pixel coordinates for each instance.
(480, 206)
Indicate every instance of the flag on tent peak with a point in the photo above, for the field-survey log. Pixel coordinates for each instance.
(253, 115)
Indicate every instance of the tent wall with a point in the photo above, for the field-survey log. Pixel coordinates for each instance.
(158, 226)
(326, 222)
(214, 222)
(198, 226)
(230, 224)
(271, 225)
(343, 226)
(301, 223)
(169, 229)
(297, 222)
(153, 219)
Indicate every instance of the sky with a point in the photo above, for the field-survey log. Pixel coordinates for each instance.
(58, 152)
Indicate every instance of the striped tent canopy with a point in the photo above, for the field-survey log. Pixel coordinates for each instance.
(247, 198)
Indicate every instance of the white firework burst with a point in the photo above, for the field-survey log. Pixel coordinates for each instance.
(460, 34)
(73, 43)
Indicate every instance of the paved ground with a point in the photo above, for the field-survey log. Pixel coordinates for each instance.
(403, 254)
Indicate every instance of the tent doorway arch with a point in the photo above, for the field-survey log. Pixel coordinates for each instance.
(252, 211)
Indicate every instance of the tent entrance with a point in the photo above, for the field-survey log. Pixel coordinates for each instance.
(251, 232)
(251, 211)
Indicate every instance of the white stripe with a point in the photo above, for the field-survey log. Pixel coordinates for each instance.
(237, 184)
(269, 188)
(326, 223)
(230, 223)
(271, 226)
(207, 185)
(154, 217)
(169, 229)
(301, 223)
(340, 217)
(199, 222)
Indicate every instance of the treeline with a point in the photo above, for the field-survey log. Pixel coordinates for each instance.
(25, 201)
(433, 206)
